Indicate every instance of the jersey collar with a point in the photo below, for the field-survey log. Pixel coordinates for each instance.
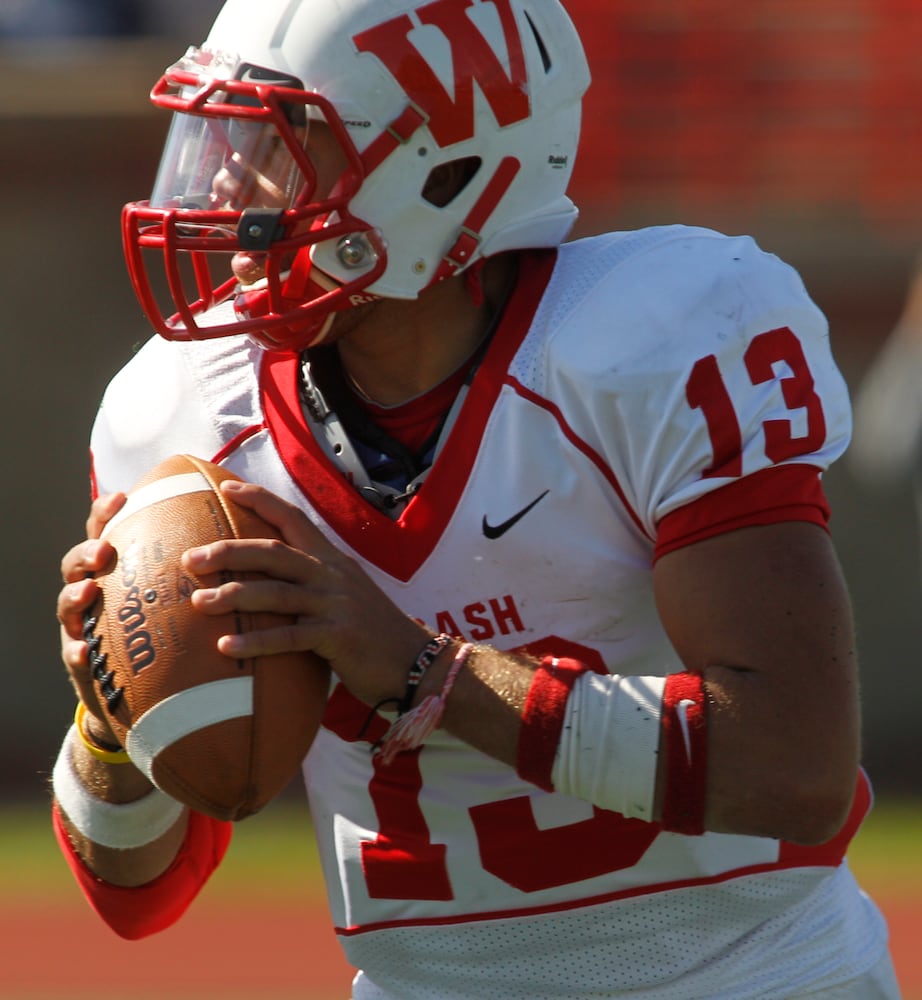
(399, 547)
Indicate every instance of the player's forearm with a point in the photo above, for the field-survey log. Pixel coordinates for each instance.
(125, 831)
(594, 736)
(782, 763)
(486, 704)
(764, 767)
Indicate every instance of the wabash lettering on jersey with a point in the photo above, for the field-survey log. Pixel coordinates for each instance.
(473, 60)
(483, 620)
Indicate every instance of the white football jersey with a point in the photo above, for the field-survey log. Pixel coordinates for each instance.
(642, 391)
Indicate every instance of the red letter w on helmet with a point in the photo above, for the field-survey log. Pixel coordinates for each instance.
(451, 119)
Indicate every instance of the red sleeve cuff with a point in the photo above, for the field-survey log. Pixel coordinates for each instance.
(144, 910)
(542, 718)
(685, 747)
(780, 493)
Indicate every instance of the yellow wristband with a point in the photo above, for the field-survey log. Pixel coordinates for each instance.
(119, 756)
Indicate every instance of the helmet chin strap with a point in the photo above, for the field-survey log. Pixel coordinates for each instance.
(310, 334)
(304, 284)
(468, 241)
(473, 282)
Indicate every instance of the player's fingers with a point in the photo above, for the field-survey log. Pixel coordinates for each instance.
(75, 657)
(320, 621)
(251, 555)
(254, 596)
(291, 522)
(299, 636)
(90, 556)
(102, 511)
(74, 654)
(73, 600)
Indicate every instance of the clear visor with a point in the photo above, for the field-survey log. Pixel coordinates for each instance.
(228, 164)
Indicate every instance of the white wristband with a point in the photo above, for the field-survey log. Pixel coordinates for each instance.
(609, 743)
(122, 826)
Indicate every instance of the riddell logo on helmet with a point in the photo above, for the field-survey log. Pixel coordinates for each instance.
(473, 60)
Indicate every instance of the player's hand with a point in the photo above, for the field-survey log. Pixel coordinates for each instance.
(77, 596)
(342, 615)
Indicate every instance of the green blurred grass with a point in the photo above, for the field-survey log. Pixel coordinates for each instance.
(274, 852)
(885, 856)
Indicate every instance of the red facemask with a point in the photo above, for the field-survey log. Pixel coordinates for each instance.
(180, 244)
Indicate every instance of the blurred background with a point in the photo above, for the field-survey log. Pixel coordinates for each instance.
(797, 121)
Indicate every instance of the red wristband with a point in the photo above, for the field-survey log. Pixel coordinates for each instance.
(684, 725)
(542, 718)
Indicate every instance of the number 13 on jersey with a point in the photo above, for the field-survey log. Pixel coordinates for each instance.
(707, 391)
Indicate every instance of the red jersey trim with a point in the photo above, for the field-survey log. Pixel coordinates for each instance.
(400, 547)
(580, 446)
(236, 442)
(414, 422)
(790, 856)
(137, 912)
(770, 496)
(94, 482)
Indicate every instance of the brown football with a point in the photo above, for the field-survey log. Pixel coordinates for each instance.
(220, 735)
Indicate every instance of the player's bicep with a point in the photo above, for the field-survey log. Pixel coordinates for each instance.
(748, 596)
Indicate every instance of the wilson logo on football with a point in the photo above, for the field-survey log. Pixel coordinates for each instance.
(138, 642)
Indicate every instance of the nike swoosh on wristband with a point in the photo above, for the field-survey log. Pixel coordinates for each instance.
(494, 531)
(681, 710)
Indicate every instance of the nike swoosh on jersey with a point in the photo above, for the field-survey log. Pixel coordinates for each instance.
(682, 712)
(494, 531)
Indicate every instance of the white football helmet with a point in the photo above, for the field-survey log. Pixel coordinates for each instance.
(304, 135)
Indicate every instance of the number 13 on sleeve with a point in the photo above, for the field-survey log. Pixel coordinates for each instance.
(707, 391)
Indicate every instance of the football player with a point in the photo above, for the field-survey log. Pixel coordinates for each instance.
(552, 511)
